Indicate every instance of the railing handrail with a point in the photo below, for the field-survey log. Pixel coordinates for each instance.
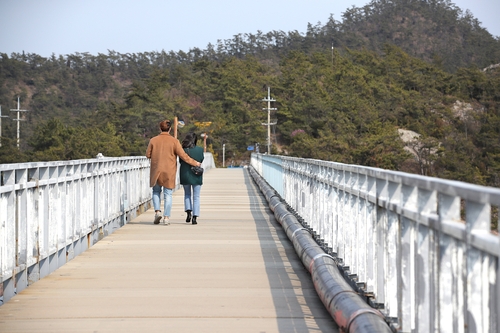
(52, 211)
(422, 245)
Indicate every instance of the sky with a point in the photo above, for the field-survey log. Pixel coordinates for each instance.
(133, 26)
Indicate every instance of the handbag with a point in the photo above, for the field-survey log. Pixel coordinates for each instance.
(197, 170)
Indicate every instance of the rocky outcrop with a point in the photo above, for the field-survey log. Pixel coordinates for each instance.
(490, 67)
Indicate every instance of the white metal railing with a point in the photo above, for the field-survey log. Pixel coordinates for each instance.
(421, 245)
(53, 211)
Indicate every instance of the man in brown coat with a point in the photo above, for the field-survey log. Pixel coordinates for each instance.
(163, 150)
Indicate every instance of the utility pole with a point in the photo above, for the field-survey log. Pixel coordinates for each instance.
(223, 155)
(269, 109)
(1, 124)
(175, 127)
(332, 53)
(18, 120)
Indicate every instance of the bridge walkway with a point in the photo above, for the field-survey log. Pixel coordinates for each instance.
(236, 271)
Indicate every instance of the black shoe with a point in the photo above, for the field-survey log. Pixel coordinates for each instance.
(157, 218)
(188, 216)
(194, 220)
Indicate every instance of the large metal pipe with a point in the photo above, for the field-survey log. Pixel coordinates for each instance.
(349, 310)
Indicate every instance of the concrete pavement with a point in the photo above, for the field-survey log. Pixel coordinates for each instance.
(235, 271)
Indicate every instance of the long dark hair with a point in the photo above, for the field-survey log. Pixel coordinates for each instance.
(190, 140)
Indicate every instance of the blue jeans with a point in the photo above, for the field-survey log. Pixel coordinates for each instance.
(192, 202)
(167, 199)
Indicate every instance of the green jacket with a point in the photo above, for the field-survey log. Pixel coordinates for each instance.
(187, 177)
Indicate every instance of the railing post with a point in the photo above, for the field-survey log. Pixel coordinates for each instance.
(480, 269)
(403, 235)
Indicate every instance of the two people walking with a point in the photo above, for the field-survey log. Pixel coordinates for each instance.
(162, 151)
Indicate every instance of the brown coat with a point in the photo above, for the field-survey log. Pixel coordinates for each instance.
(163, 150)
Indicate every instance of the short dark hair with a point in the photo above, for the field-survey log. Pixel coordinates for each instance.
(165, 125)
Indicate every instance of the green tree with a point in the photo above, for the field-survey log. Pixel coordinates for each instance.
(9, 153)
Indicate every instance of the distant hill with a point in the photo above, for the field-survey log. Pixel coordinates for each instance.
(436, 31)
(411, 66)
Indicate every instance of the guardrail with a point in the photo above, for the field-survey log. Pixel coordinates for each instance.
(418, 248)
(52, 211)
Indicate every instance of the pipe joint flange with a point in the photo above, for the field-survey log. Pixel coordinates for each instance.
(340, 292)
(293, 235)
(286, 214)
(360, 312)
(319, 256)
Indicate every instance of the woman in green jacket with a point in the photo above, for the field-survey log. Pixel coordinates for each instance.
(190, 181)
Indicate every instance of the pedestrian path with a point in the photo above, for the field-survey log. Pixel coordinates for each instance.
(235, 271)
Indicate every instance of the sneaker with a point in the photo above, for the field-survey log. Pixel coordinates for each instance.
(157, 218)
(166, 221)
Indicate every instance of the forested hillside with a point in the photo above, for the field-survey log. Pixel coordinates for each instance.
(345, 91)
